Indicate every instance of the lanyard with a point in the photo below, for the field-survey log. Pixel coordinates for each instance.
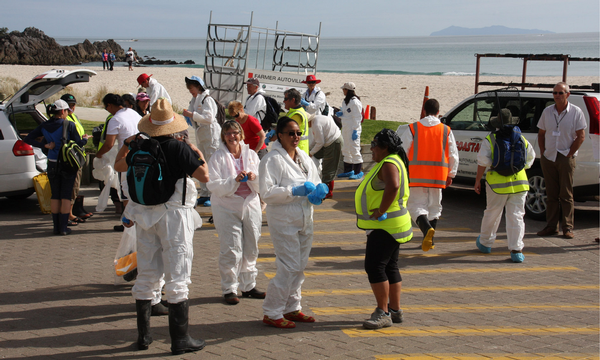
(560, 118)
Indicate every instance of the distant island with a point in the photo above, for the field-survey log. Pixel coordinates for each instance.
(490, 30)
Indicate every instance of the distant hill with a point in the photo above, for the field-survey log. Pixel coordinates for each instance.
(490, 30)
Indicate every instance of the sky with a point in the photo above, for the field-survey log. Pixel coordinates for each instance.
(119, 19)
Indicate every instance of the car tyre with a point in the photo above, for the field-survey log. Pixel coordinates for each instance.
(535, 201)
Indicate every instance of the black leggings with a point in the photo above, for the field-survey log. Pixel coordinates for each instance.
(381, 258)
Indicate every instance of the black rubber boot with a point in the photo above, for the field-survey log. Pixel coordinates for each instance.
(347, 167)
(63, 220)
(56, 223)
(160, 309)
(433, 223)
(181, 341)
(428, 232)
(143, 308)
(357, 168)
(424, 224)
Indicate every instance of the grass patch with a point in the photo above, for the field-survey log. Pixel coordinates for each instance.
(372, 127)
(88, 126)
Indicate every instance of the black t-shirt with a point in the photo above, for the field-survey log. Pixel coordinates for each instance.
(180, 157)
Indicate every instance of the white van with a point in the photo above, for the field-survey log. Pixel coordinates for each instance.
(469, 123)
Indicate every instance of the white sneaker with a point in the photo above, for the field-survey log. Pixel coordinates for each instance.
(378, 320)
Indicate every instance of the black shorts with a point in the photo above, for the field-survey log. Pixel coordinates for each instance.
(61, 184)
(381, 258)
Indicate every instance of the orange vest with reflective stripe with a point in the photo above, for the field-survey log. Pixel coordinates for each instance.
(429, 155)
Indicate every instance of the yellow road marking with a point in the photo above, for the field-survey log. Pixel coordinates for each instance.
(462, 331)
(489, 356)
(456, 308)
(326, 292)
(270, 275)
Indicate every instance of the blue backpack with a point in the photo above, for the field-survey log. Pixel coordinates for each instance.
(148, 176)
(509, 150)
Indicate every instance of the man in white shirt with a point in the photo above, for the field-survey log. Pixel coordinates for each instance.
(256, 105)
(561, 133)
(153, 88)
(326, 144)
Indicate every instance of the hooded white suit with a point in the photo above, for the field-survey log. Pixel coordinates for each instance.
(238, 221)
(290, 221)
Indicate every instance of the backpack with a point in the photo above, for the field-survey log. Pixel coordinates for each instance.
(148, 176)
(272, 113)
(509, 150)
(220, 110)
(71, 156)
(325, 109)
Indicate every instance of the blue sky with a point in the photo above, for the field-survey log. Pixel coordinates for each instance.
(119, 19)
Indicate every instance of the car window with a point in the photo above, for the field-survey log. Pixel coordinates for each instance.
(473, 116)
(25, 122)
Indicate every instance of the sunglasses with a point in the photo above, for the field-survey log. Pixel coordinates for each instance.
(558, 93)
(311, 82)
(374, 144)
(232, 133)
(286, 99)
(236, 115)
(294, 133)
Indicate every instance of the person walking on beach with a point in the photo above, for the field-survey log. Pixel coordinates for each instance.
(130, 58)
(256, 105)
(314, 100)
(327, 143)
(111, 59)
(506, 193)
(433, 162)
(297, 113)
(105, 60)
(351, 115)
(561, 133)
(380, 203)
(202, 111)
(154, 89)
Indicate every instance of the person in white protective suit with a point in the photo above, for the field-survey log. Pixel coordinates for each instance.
(506, 193)
(433, 162)
(314, 100)
(351, 115)
(154, 89)
(165, 231)
(256, 105)
(233, 171)
(287, 176)
(202, 112)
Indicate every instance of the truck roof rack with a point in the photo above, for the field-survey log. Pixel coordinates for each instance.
(566, 59)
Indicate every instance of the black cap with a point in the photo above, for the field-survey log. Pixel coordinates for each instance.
(69, 99)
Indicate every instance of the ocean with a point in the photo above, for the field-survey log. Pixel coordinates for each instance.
(423, 55)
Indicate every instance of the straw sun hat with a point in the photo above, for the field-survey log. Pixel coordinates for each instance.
(162, 120)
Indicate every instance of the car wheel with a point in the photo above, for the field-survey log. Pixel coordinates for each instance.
(20, 196)
(535, 201)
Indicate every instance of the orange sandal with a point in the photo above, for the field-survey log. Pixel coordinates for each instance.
(279, 323)
(299, 317)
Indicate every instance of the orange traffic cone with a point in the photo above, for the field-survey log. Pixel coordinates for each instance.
(425, 98)
(368, 112)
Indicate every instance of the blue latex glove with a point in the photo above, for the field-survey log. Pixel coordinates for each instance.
(314, 199)
(189, 121)
(382, 217)
(339, 114)
(244, 179)
(304, 189)
(269, 135)
(125, 220)
(304, 102)
(321, 191)
(355, 135)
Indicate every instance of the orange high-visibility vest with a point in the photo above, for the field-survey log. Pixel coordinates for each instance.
(429, 155)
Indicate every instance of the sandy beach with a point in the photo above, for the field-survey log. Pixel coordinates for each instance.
(396, 97)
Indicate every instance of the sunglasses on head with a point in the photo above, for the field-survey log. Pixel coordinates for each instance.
(294, 133)
(558, 93)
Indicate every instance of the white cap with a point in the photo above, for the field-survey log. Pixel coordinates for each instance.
(349, 86)
(61, 105)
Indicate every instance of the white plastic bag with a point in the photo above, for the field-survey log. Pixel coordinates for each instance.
(104, 171)
(126, 256)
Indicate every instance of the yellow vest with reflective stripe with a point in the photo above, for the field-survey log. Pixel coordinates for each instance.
(512, 184)
(103, 134)
(303, 143)
(77, 123)
(366, 199)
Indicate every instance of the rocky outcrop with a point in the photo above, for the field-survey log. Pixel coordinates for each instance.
(33, 47)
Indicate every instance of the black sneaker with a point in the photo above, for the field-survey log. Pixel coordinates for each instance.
(119, 228)
(257, 294)
(231, 299)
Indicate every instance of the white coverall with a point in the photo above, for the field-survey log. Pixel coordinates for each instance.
(164, 232)
(424, 200)
(208, 130)
(495, 203)
(351, 120)
(317, 101)
(290, 221)
(238, 221)
(256, 105)
(156, 91)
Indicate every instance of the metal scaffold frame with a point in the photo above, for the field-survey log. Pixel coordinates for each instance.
(231, 50)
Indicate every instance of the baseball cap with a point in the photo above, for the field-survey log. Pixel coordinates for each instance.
(142, 78)
(193, 79)
(349, 86)
(253, 81)
(61, 105)
(70, 99)
(142, 96)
